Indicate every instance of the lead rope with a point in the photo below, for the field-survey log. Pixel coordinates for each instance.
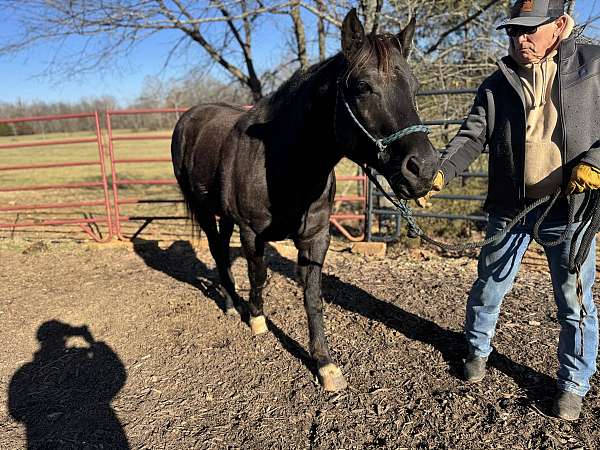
(577, 256)
(582, 309)
(414, 230)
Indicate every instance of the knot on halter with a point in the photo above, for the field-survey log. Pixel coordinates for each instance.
(382, 154)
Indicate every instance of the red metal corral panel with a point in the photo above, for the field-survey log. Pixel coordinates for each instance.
(38, 214)
(129, 192)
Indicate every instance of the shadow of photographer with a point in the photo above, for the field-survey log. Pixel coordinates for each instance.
(63, 395)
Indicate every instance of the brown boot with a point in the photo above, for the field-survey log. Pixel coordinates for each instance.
(474, 369)
(567, 405)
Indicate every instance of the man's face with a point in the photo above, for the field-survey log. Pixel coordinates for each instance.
(532, 47)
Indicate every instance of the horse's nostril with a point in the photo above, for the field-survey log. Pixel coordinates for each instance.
(413, 167)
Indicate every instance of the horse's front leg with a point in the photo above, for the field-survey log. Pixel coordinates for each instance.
(312, 256)
(254, 250)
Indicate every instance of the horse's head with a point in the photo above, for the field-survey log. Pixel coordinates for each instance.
(376, 117)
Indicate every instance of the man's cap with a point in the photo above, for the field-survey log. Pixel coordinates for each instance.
(532, 13)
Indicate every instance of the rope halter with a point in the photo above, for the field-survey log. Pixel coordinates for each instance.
(382, 143)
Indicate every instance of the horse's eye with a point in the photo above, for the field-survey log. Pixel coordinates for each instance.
(362, 87)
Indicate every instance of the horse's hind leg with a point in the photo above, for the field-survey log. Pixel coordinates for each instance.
(311, 258)
(216, 241)
(227, 281)
(254, 250)
(225, 232)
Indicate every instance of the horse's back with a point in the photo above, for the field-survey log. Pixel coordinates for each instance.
(197, 146)
(202, 129)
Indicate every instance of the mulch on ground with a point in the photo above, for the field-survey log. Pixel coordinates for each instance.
(127, 347)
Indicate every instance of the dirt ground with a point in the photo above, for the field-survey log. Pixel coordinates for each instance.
(126, 347)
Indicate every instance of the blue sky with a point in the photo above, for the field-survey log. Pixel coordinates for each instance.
(22, 74)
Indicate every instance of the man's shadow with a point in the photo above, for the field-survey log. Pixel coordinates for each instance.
(450, 344)
(63, 395)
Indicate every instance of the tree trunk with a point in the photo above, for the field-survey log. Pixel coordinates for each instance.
(321, 31)
(370, 10)
(299, 35)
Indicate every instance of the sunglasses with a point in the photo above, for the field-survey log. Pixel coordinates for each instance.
(519, 30)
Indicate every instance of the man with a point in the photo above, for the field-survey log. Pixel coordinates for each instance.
(539, 113)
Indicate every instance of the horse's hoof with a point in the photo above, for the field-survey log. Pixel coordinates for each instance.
(232, 312)
(258, 325)
(331, 378)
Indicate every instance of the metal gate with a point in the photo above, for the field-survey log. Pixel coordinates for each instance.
(89, 223)
(119, 182)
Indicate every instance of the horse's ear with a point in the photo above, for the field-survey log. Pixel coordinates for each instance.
(406, 37)
(353, 34)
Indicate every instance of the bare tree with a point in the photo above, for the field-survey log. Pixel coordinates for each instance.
(321, 33)
(456, 44)
(222, 29)
(371, 10)
(462, 25)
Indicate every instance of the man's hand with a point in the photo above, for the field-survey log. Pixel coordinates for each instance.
(438, 183)
(583, 178)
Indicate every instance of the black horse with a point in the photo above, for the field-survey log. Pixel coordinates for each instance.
(270, 169)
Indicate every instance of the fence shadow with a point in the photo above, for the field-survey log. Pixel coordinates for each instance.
(63, 395)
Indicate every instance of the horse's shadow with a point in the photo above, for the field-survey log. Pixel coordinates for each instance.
(180, 262)
(183, 265)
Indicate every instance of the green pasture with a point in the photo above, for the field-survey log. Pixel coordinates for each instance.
(156, 170)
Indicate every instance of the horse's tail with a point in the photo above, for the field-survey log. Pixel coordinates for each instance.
(178, 151)
(178, 147)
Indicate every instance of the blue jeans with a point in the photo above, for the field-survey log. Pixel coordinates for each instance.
(498, 265)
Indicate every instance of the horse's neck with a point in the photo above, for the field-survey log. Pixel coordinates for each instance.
(313, 142)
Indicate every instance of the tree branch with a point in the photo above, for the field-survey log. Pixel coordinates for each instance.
(465, 22)
(253, 81)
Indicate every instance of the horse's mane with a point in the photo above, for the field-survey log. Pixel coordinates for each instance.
(297, 84)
